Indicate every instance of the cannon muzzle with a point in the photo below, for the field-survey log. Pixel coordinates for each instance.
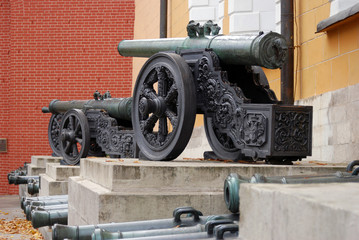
(48, 218)
(268, 50)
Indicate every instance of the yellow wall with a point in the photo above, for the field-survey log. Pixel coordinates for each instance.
(326, 61)
(178, 18)
(147, 25)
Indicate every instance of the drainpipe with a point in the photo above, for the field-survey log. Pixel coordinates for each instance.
(163, 19)
(287, 71)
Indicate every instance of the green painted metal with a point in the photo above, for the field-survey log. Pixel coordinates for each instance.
(33, 186)
(119, 108)
(84, 232)
(265, 49)
(233, 183)
(48, 218)
(27, 200)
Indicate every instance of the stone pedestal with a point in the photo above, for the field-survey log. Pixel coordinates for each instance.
(298, 211)
(113, 190)
(38, 164)
(35, 168)
(55, 180)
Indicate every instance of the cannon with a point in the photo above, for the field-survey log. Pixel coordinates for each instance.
(17, 179)
(220, 77)
(97, 127)
(48, 217)
(25, 201)
(33, 186)
(233, 182)
(180, 219)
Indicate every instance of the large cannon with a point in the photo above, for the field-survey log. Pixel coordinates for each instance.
(220, 77)
(98, 127)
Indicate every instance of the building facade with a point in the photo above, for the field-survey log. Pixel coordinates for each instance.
(55, 50)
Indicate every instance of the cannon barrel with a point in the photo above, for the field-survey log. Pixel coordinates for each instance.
(16, 179)
(119, 108)
(30, 209)
(33, 186)
(233, 182)
(48, 218)
(266, 49)
(84, 232)
(27, 200)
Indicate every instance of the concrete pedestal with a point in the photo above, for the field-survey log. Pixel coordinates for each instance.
(55, 180)
(38, 164)
(112, 190)
(311, 211)
(35, 168)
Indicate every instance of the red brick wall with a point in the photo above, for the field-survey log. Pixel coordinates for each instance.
(55, 49)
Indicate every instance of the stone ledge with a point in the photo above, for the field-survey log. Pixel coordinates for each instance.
(50, 186)
(311, 212)
(115, 174)
(90, 203)
(40, 161)
(61, 172)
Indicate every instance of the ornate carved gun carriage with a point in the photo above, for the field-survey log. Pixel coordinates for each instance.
(205, 73)
(91, 127)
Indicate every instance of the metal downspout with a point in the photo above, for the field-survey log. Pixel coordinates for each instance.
(163, 19)
(287, 71)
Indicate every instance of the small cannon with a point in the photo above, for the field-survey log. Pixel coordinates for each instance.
(220, 77)
(94, 127)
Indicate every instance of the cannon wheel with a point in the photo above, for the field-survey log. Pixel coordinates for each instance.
(54, 133)
(221, 144)
(164, 106)
(75, 136)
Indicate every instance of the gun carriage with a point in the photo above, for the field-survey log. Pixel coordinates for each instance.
(206, 73)
(97, 127)
(220, 77)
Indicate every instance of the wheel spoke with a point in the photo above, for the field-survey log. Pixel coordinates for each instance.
(72, 122)
(172, 117)
(162, 129)
(172, 94)
(150, 94)
(150, 123)
(77, 126)
(67, 147)
(75, 151)
(79, 140)
(161, 75)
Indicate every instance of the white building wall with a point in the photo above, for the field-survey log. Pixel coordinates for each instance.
(245, 16)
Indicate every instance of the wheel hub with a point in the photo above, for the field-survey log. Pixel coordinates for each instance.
(156, 106)
(68, 135)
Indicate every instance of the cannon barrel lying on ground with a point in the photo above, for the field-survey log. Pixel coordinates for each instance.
(48, 218)
(31, 209)
(33, 186)
(85, 232)
(217, 228)
(233, 182)
(27, 200)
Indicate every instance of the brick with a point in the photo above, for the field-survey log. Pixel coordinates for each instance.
(323, 77)
(308, 82)
(60, 50)
(353, 68)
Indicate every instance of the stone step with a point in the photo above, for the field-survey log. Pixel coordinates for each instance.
(90, 203)
(40, 161)
(61, 172)
(299, 211)
(50, 186)
(119, 174)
